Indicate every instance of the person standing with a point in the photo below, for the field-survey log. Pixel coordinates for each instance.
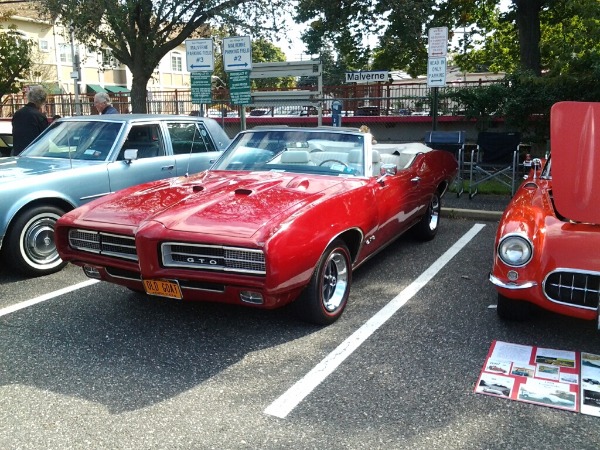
(29, 121)
(103, 104)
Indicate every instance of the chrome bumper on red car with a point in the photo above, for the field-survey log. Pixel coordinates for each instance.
(512, 285)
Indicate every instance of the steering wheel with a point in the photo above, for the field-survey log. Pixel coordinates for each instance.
(334, 161)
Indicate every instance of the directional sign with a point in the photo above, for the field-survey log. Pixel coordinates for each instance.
(438, 42)
(237, 53)
(436, 72)
(199, 55)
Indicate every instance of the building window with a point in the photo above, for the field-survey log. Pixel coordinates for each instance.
(64, 51)
(176, 62)
(107, 58)
(44, 45)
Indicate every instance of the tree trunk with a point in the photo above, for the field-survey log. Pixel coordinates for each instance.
(528, 24)
(139, 93)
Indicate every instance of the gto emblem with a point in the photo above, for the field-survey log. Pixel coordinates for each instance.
(210, 262)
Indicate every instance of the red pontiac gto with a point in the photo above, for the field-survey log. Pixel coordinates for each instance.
(285, 214)
(547, 250)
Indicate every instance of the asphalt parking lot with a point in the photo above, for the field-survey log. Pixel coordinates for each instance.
(101, 367)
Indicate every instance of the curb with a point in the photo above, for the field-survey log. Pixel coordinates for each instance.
(471, 214)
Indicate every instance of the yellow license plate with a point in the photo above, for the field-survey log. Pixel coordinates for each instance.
(163, 288)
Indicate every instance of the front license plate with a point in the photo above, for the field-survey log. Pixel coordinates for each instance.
(163, 288)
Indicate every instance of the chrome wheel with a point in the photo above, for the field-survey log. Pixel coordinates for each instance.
(335, 281)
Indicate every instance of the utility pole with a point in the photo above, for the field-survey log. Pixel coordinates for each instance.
(75, 75)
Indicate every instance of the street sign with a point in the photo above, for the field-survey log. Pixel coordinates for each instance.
(237, 53)
(436, 72)
(201, 84)
(367, 76)
(199, 55)
(239, 87)
(437, 45)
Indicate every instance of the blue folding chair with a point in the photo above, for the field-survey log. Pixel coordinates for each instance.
(451, 141)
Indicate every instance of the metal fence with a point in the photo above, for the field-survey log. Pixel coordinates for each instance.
(393, 99)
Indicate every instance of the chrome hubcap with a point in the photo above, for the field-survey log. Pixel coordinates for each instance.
(335, 281)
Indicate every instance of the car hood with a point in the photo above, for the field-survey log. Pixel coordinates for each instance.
(14, 168)
(219, 203)
(575, 140)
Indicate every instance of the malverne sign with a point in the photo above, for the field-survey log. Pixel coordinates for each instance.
(367, 77)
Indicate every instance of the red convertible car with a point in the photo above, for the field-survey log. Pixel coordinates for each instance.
(547, 250)
(286, 214)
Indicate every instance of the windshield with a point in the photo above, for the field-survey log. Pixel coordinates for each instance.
(91, 140)
(305, 151)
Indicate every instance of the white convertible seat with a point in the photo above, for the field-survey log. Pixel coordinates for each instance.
(296, 157)
(376, 163)
(320, 157)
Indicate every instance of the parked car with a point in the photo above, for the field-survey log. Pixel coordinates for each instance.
(547, 239)
(78, 159)
(6, 138)
(284, 214)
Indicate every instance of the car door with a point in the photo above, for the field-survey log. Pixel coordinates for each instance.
(192, 146)
(154, 160)
(397, 199)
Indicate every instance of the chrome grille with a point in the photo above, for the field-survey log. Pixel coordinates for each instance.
(103, 243)
(213, 257)
(573, 287)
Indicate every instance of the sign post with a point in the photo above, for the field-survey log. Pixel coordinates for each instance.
(200, 63)
(437, 51)
(237, 62)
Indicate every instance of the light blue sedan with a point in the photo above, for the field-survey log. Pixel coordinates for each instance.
(78, 159)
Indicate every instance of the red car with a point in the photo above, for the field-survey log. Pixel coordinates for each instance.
(285, 214)
(547, 250)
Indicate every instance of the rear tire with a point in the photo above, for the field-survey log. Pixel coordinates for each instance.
(513, 310)
(29, 244)
(323, 301)
(427, 227)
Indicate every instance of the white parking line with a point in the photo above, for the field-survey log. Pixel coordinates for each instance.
(43, 298)
(294, 395)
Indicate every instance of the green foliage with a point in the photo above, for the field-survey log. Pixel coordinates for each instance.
(524, 100)
(15, 59)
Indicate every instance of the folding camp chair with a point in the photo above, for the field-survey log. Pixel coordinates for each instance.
(454, 142)
(496, 157)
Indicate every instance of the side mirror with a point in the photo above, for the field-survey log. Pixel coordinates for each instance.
(387, 170)
(536, 163)
(131, 154)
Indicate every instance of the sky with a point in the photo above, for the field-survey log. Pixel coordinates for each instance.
(297, 50)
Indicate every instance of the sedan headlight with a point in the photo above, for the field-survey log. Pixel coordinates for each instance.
(515, 250)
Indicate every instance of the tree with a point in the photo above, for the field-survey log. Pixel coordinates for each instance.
(139, 33)
(15, 59)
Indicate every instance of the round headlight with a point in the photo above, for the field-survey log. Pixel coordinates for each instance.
(515, 250)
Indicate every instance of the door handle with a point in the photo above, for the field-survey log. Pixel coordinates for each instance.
(167, 167)
(415, 179)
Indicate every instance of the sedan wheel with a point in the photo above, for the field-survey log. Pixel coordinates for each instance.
(325, 298)
(30, 246)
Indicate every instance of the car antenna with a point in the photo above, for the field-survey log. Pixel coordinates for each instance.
(187, 170)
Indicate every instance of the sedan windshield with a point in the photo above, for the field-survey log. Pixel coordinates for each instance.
(304, 151)
(91, 140)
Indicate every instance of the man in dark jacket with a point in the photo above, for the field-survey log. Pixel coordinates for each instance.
(29, 121)
(103, 104)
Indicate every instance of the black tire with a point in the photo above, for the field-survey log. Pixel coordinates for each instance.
(513, 310)
(427, 227)
(29, 245)
(323, 301)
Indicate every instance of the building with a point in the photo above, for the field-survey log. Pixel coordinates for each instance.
(99, 71)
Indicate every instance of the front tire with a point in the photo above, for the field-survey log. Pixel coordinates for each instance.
(30, 246)
(513, 310)
(324, 299)
(427, 227)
